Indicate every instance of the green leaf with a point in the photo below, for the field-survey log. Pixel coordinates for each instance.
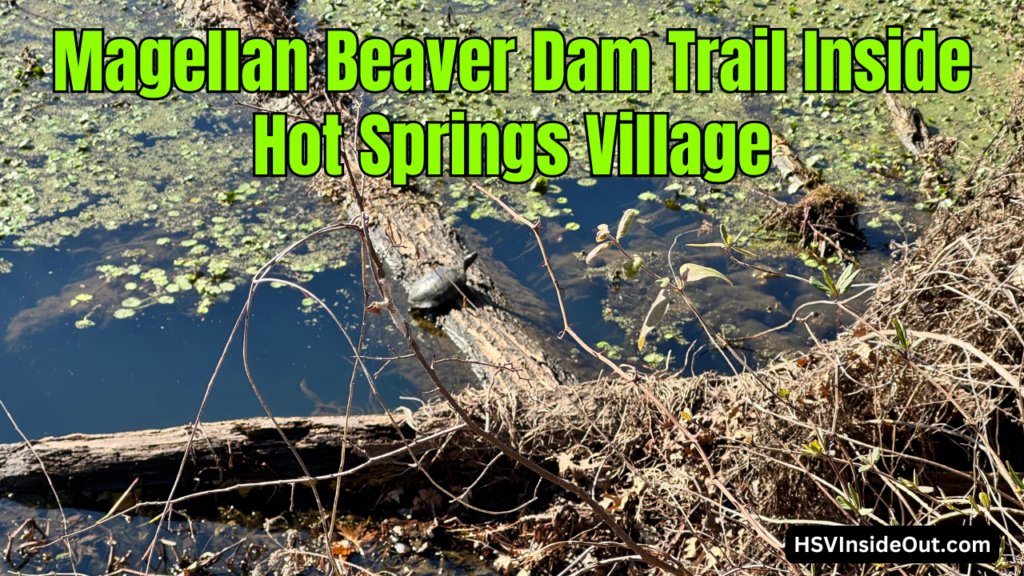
(820, 286)
(625, 221)
(632, 267)
(901, 334)
(846, 279)
(690, 272)
(654, 316)
(648, 196)
(830, 282)
(812, 449)
(131, 302)
(725, 234)
(1016, 479)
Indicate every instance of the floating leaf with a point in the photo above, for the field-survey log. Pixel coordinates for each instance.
(625, 221)
(131, 302)
(572, 226)
(166, 299)
(690, 272)
(84, 323)
(83, 297)
(123, 313)
(654, 316)
(648, 197)
(597, 250)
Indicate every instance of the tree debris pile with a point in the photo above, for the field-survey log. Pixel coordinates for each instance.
(825, 212)
(912, 416)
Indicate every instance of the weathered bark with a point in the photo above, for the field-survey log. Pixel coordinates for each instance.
(909, 125)
(223, 454)
(490, 333)
(485, 330)
(790, 166)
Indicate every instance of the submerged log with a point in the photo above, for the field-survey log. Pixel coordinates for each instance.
(223, 454)
(409, 228)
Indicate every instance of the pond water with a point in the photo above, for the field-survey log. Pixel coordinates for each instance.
(129, 228)
(103, 548)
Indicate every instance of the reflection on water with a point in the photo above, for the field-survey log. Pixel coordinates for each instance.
(237, 544)
(608, 309)
(151, 370)
(125, 268)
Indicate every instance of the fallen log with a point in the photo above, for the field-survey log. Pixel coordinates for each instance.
(790, 167)
(908, 122)
(410, 230)
(224, 454)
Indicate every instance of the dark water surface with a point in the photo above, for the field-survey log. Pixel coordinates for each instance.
(173, 204)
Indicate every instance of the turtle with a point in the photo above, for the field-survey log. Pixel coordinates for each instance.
(438, 286)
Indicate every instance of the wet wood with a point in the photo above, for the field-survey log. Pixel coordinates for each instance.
(908, 122)
(789, 165)
(409, 228)
(223, 454)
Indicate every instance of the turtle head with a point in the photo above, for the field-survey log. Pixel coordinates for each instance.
(468, 260)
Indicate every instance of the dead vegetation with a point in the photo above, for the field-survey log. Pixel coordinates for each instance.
(912, 416)
(824, 213)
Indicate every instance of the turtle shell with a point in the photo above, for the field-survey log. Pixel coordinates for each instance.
(435, 287)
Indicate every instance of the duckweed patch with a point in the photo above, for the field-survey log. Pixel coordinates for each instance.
(179, 167)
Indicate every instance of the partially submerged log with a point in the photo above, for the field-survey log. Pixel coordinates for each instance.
(412, 232)
(928, 149)
(790, 167)
(908, 122)
(223, 454)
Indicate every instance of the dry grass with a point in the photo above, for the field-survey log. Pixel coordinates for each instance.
(791, 440)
